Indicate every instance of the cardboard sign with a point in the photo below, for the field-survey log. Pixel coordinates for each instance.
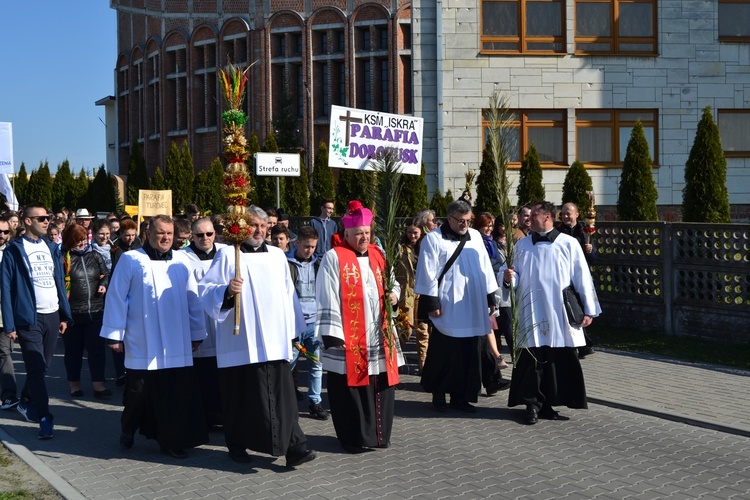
(152, 203)
(356, 136)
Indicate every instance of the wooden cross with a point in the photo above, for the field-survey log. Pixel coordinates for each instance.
(348, 119)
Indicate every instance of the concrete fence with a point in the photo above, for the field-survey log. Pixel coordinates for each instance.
(680, 278)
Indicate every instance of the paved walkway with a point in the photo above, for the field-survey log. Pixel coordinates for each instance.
(632, 443)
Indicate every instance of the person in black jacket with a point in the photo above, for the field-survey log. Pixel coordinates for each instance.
(86, 280)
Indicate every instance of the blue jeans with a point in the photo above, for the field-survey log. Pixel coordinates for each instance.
(315, 384)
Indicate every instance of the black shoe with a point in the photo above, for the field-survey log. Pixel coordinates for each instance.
(463, 406)
(550, 414)
(126, 440)
(318, 412)
(240, 456)
(355, 450)
(501, 385)
(585, 351)
(77, 394)
(300, 458)
(120, 381)
(103, 394)
(175, 453)
(438, 402)
(532, 415)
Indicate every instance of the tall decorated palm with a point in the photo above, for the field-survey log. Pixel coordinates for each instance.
(236, 185)
(386, 191)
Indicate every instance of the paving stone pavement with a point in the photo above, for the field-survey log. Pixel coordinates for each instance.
(603, 452)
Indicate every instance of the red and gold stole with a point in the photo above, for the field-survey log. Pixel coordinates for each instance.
(353, 315)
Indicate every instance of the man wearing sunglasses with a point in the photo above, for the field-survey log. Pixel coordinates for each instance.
(35, 309)
(456, 284)
(201, 252)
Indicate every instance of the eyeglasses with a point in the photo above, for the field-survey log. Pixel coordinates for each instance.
(7, 231)
(463, 222)
(201, 235)
(41, 218)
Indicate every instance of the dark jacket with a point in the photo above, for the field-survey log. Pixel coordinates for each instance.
(326, 229)
(578, 233)
(88, 272)
(19, 302)
(120, 248)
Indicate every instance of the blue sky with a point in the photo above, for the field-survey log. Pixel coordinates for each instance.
(57, 58)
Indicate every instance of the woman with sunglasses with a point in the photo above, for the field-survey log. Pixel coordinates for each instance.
(86, 280)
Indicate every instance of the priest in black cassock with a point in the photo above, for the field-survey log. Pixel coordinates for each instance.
(362, 362)
(547, 372)
(153, 310)
(255, 379)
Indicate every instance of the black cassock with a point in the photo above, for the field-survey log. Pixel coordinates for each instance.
(260, 408)
(363, 415)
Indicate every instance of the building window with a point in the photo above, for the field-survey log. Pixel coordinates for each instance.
(734, 20)
(176, 91)
(153, 91)
(602, 135)
(734, 128)
(616, 27)
(522, 26)
(546, 129)
(204, 85)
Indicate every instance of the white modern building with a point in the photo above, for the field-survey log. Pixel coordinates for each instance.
(578, 74)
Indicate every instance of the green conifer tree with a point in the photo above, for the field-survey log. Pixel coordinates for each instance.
(636, 200)
(20, 183)
(186, 178)
(79, 197)
(297, 194)
(172, 172)
(253, 146)
(705, 197)
(448, 199)
(200, 188)
(577, 182)
(62, 186)
(530, 186)
(413, 194)
(158, 183)
(354, 184)
(323, 182)
(137, 174)
(39, 189)
(438, 204)
(488, 186)
(101, 193)
(286, 121)
(214, 200)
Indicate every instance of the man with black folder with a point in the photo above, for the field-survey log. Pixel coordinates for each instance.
(548, 372)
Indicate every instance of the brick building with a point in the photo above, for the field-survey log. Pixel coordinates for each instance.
(348, 52)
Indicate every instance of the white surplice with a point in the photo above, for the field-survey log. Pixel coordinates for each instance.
(153, 306)
(464, 288)
(200, 267)
(270, 313)
(541, 273)
(328, 292)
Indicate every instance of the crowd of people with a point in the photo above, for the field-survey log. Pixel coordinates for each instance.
(206, 335)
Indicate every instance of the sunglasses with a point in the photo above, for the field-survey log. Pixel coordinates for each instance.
(201, 235)
(41, 218)
(7, 231)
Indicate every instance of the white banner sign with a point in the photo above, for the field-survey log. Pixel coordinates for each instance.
(6, 148)
(277, 164)
(357, 135)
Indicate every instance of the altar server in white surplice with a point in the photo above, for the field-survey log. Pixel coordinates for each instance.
(548, 372)
(457, 298)
(257, 391)
(153, 309)
(201, 252)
